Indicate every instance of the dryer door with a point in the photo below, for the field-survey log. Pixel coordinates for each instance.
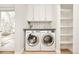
(32, 40)
(48, 40)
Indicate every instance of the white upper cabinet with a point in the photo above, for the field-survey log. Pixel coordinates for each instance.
(49, 11)
(41, 12)
(36, 12)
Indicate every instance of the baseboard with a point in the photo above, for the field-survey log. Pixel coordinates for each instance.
(19, 52)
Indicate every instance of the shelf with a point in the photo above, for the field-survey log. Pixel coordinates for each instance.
(66, 42)
(66, 6)
(66, 35)
(33, 21)
(66, 26)
(67, 18)
(66, 10)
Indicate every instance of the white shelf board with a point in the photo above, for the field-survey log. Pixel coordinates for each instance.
(66, 10)
(40, 21)
(70, 18)
(66, 34)
(66, 6)
(66, 42)
(66, 26)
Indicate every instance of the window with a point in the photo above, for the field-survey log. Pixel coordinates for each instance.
(7, 22)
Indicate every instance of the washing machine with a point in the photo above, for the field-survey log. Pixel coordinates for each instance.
(32, 40)
(48, 40)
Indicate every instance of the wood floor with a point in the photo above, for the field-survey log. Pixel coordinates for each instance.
(63, 51)
(7, 52)
(44, 52)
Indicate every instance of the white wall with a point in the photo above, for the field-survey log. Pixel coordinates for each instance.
(76, 28)
(58, 28)
(20, 24)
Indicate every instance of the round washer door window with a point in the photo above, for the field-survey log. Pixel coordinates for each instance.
(48, 40)
(32, 40)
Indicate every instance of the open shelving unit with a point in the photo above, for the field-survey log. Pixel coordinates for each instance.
(66, 27)
(39, 24)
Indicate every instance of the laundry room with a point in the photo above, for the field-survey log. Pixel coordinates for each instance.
(39, 28)
(40, 22)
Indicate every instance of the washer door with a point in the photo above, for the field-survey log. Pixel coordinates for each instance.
(48, 40)
(32, 40)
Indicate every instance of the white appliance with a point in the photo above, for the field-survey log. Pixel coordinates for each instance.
(40, 40)
(48, 40)
(32, 41)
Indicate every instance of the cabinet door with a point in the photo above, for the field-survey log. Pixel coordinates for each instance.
(29, 12)
(49, 12)
(42, 12)
(39, 12)
(36, 12)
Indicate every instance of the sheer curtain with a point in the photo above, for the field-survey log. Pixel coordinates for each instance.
(7, 22)
(7, 26)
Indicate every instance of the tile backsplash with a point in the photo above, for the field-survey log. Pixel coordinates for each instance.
(40, 25)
